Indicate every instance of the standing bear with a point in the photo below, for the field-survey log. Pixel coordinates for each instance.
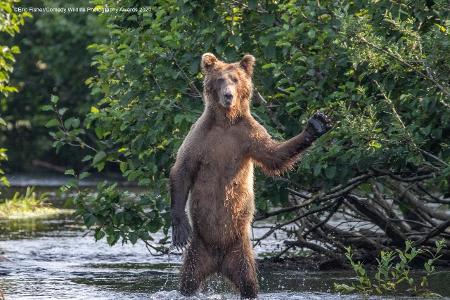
(213, 173)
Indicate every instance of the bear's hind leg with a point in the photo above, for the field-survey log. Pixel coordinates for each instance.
(240, 267)
(197, 266)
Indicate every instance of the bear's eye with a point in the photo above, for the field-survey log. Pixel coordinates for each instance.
(234, 79)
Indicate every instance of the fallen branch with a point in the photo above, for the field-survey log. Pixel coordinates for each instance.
(277, 227)
(377, 218)
(314, 247)
(332, 212)
(421, 208)
(434, 232)
(334, 193)
(435, 199)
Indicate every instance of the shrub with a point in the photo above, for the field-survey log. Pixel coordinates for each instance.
(393, 272)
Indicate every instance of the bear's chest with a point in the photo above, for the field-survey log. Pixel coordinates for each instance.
(223, 149)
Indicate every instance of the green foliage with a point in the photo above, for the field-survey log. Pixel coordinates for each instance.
(68, 129)
(54, 59)
(378, 67)
(28, 205)
(10, 23)
(117, 215)
(393, 274)
(3, 157)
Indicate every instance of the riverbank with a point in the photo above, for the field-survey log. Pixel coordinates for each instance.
(29, 205)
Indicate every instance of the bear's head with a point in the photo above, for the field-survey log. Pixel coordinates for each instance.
(228, 86)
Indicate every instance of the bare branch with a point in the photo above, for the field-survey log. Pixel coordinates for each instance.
(261, 100)
(332, 212)
(278, 226)
(334, 193)
(377, 218)
(314, 247)
(435, 199)
(434, 232)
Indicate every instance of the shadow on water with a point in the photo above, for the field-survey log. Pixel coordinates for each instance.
(36, 227)
(56, 259)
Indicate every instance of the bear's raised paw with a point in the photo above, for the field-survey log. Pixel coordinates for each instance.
(319, 124)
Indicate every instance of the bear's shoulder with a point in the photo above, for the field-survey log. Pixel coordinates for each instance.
(254, 128)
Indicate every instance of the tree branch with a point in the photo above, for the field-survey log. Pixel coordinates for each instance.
(434, 232)
(377, 218)
(334, 193)
(317, 225)
(278, 226)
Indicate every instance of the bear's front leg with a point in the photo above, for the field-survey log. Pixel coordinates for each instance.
(276, 157)
(181, 229)
(180, 183)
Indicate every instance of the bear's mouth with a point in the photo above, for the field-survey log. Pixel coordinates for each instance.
(228, 108)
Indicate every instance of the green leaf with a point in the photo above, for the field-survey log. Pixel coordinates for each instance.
(47, 108)
(99, 132)
(133, 237)
(62, 111)
(317, 169)
(375, 144)
(123, 167)
(99, 157)
(89, 220)
(268, 66)
(72, 123)
(86, 158)
(83, 175)
(112, 238)
(54, 99)
(100, 166)
(99, 234)
(330, 172)
(70, 172)
(52, 123)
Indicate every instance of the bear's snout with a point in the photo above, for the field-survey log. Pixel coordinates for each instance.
(228, 96)
(228, 99)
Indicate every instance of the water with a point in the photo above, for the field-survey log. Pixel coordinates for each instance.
(56, 259)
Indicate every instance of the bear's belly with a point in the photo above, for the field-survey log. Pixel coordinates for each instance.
(221, 208)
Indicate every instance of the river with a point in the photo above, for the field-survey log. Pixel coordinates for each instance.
(58, 259)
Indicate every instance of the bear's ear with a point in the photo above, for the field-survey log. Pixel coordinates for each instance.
(247, 63)
(208, 62)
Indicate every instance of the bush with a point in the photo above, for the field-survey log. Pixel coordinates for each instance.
(54, 59)
(394, 272)
(377, 67)
(10, 23)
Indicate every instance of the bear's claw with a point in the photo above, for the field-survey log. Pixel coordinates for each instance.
(181, 233)
(319, 124)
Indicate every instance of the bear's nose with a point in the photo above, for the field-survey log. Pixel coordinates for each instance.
(228, 96)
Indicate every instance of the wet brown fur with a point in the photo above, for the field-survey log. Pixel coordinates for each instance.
(214, 166)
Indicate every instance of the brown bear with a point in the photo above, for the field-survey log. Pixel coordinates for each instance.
(214, 169)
